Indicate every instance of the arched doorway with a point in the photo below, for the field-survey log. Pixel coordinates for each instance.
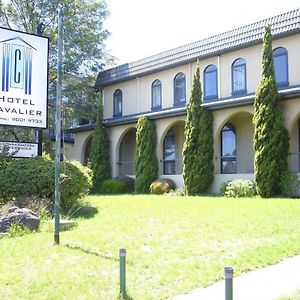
(234, 141)
(171, 159)
(126, 152)
(294, 155)
(88, 150)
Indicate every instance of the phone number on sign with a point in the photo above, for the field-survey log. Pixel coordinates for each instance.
(22, 120)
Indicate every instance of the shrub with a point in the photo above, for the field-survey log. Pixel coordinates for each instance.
(5, 157)
(198, 166)
(127, 181)
(17, 229)
(238, 188)
(177, 192)
(35, 177)
(145, 160)
(76, 181)
(271, 138)
(111, 186)
(290, 185)
(100, 152)
(223, 188)
(161, 186)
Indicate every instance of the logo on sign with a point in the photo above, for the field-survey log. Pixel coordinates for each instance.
(17, 65)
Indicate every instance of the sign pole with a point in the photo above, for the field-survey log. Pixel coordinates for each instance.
(39, 132)
(58, 126)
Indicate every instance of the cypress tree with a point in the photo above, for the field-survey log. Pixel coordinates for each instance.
(99, 152)
(198, 164)
(271, 139)
(145, 160)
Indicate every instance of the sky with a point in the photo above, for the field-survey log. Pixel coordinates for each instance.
(141, 28)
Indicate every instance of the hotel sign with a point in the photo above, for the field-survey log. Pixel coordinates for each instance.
(17, 149)
(23, 79)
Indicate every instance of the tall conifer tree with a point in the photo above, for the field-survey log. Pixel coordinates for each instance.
(145, 161)
(271, 139)
(99, 152)
(198, 164)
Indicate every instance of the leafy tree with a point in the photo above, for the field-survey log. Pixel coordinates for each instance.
(271, 139)
(145, 160)
(84, 49)
(99, 153)
(198, 164)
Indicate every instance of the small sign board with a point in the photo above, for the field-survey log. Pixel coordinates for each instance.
(23, 79)
(18, 149)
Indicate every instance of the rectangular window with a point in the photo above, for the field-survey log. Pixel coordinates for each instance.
(169, 155)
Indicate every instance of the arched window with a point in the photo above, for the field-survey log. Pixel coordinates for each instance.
(179, 89)
(228, 149)
(117, 103)
(169, 154)
(210, 82)
(238, 73)
(156, 94)
(280, 57)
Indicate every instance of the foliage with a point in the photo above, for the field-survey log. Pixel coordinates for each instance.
(145, 160)
(17, 134)
(198, 164)
(223, 187)
(76, 181)
(35, 177)
(159, 187)
(162, 186)
(99, 153)
(290, 184)
(112, 187)
(238, 188)
(84, 49)
(271, 138)
(17, 229)
(178, 192)
(127, 181)
(5, 157)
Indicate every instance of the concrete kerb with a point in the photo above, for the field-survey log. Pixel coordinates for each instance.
(267, 283)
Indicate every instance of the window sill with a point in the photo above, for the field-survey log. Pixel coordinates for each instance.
(155, 108)
(117, 115)
(239, 93)
(179, 104)
(282, 85)
(210, 99)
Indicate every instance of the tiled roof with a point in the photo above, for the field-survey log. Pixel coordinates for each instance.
(282, 25)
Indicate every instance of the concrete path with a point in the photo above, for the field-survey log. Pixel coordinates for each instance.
(268, 283)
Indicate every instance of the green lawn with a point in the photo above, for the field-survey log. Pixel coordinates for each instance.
(174, 245)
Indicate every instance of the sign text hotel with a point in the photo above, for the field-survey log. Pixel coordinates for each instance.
(23, 79)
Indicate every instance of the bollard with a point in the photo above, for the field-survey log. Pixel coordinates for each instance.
(122, 254)
(228, 283)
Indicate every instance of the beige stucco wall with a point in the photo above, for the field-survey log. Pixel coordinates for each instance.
(76, 151)
(130, 100)
(137, 92)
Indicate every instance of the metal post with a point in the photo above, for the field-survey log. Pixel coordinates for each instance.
(228, 283)
(58, 127)
(39, 132)
(122, 255)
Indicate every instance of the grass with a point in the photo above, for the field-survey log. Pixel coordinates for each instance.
(174, 245)
(295, 296)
